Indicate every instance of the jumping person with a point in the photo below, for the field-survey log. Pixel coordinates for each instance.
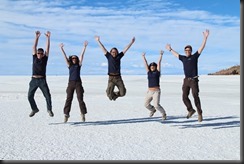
(38, 79)
(154, 91)
(74, 64)
(114, 62)
(190, 65)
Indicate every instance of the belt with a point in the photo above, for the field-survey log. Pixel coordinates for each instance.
(113, 74)
(191, 78)
(38, 76)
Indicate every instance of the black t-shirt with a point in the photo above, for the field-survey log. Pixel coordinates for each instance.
(39, 65)
(114, 63)
(190, 64)
(153, 78)
(74, 72)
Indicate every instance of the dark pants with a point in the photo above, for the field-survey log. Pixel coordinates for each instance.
(191, 83)
(118, 82)
(72, 86)
(41, 83)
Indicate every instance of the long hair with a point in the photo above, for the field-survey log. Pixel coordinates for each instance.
(114, 48)
(70, 59)
(152, 64)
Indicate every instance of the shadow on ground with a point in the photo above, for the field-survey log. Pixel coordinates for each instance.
(176, 121)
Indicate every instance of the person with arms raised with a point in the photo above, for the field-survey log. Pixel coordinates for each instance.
(114, 67)
(38, 80)
(191, 81)
(74, 64)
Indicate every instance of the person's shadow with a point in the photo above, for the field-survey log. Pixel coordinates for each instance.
(215, 122)
(176, 121)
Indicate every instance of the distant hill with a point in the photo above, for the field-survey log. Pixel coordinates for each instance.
(234, 70)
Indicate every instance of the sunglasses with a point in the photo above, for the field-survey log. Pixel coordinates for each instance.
(39, 52)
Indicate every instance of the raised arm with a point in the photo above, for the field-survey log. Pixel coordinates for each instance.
(159, 60)
(34, 51)
(129, 45)
(100, 44)
(48, 34)
(205, 37)
(168, 47)
(64, 54)
(145, 61)
(83, 52)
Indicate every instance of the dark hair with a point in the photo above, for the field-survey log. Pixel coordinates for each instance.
(114, 49)
(70, 59)
(188, 46)
(152, 64)
(40, 49)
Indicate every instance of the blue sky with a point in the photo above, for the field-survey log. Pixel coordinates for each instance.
(153, 23)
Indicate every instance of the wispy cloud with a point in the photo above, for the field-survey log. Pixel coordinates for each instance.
(116, 22)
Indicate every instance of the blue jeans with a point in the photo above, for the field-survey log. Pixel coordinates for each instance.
(41, 83)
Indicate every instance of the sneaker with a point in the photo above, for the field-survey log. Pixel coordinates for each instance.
(66, 117)
(83, 118)
(164, 116)
(152, 113)
(50, 113)
(190, 113)
(199, 118)
(33, 112)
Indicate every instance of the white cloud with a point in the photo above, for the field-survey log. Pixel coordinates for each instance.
(104, 64)
(153, 25)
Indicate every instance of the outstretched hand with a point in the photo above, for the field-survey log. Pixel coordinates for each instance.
(38, 33)
(85, 43)
(206, 33)
(48, 34)
(161, 52)
(61, 45)
(168, 47)
(97, 38)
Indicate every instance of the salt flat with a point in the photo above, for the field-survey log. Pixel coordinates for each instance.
(121, 129)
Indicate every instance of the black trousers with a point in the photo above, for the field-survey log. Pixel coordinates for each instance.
(75, 86)
(191, 83)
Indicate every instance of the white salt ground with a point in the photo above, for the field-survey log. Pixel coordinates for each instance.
(121, 129)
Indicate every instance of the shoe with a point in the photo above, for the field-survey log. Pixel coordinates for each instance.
(50, 113)
(33, 112)
(110, 98)
(190, 113)
(199, 118)
(66, 117)
(83, 118)
(164, 116)
(115, 97)
(152, 113)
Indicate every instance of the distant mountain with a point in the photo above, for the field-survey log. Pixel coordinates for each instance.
(234, 70)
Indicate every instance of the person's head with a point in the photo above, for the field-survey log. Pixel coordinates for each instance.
(114, 52)
(152, 66)
(188, 50)
(40, 53)
(74, 59)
